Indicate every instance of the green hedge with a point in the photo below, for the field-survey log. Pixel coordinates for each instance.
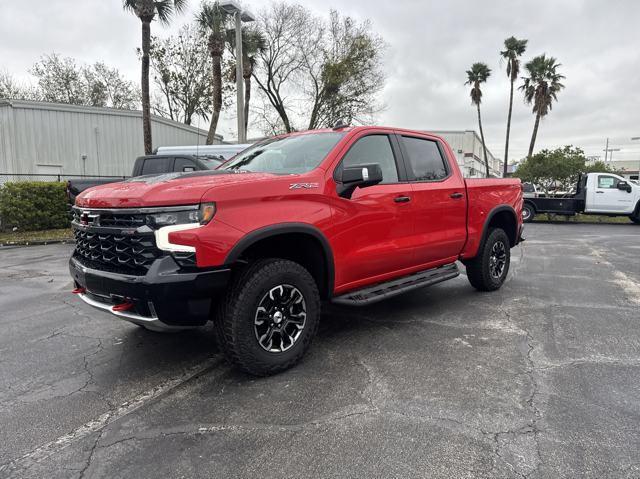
(32, 206)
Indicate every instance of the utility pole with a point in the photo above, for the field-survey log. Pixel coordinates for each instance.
(633, 139)
(611, 155)
(240, 79)
(240, 15)
(609, 152)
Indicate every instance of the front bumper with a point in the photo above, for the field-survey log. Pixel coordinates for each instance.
(166, 298)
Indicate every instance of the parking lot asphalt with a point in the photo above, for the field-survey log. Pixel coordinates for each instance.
(539, 379)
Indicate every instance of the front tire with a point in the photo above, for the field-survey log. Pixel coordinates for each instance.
(270, 316)
(635, 219)
(488, 270)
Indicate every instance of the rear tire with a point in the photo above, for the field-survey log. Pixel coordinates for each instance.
(488, 270)
(635, 219)
(528, 213)
(269, 317)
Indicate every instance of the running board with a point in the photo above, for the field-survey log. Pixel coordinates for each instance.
(380, 291)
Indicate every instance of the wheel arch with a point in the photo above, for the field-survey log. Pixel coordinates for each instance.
(502, 216)
(299, 242)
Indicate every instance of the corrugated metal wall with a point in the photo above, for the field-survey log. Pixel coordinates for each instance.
(466, 143)
(37, 137)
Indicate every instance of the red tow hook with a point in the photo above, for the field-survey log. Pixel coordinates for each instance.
(122, 306)
(79, 291)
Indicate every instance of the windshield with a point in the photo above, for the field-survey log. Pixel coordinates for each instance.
(289, 155)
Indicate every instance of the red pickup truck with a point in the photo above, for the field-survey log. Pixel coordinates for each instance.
(350, 215)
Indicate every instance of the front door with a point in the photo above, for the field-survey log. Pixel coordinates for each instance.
(372, 230)
(607, 198)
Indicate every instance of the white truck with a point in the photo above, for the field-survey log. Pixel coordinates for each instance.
(596, 194)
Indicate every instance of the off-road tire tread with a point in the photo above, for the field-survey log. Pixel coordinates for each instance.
(478, 272)
(240, 297)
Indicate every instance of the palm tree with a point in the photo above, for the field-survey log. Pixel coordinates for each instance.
(478, 74)
(541, 88)
(146, 11)
(213, 19)
(513, 49)
(253, 43)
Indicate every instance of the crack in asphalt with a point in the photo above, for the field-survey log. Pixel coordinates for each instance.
(44, 451)
(83, 471)
(532, 426)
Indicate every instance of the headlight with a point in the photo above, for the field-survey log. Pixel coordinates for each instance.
(203, 215)
(168, 222)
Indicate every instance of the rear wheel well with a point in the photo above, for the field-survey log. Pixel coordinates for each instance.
(505, 220)
(301, 248)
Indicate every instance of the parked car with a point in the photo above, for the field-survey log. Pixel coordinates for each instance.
(212, 152)
(146, 165)
(596, 194)
(351, 215)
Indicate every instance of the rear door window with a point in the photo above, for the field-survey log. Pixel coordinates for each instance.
(425, 159)
(155, 166)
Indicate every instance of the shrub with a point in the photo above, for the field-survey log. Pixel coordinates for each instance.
(33, 206)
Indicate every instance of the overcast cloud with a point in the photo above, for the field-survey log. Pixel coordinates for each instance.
(430, 45)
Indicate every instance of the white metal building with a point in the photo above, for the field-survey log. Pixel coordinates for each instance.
(467, 147)
(53, 139)
(627, 168)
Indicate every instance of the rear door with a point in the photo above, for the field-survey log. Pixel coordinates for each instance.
(439, 200)
(607, 198)
(372, 230)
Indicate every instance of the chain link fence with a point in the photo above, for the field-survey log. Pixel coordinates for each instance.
(6, 177)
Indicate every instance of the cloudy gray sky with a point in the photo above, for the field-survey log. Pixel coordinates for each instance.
(430, 45)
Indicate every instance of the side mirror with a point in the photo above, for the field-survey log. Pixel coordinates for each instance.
(623, 185)
(360, 176)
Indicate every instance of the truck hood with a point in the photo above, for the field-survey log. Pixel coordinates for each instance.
(164, 190)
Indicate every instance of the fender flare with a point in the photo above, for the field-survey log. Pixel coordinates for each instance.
(265, 232)
(492, 213)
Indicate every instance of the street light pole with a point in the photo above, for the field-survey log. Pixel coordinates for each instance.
(633, 139)
(242, 134)
(233, 8)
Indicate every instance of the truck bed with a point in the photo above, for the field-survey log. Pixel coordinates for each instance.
(483, 196)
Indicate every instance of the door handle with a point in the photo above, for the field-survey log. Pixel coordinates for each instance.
(402, 199)
(456, 196)
(600, 192)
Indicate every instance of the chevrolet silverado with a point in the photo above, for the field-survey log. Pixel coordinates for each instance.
(351, 215)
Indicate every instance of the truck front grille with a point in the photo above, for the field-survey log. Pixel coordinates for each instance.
(128, 253)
